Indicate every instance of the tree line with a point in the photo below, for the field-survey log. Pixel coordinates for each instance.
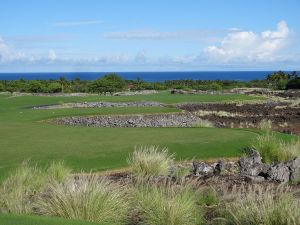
(112, 82)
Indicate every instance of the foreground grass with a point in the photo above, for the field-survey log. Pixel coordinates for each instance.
(10, 219)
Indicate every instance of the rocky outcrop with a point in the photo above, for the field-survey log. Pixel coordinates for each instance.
(153, 120)
(100, 105)
(252, 169)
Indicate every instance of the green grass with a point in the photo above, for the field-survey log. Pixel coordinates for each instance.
(24, 135)
(10, 219)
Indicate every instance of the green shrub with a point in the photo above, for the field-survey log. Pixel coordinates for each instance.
(272, 149)
(263, 206)
(168, 205)
(89, 198)
(147, 161)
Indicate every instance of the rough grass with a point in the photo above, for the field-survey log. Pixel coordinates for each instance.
(19, 189)
(203, 123)
(168, 205)
(258, 205)
(88, 198)
(148, 161)
(11, 219)
(273, 149)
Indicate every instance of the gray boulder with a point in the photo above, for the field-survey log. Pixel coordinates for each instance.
(279, 172)
(202, 169)
(252, 165)
(294, 167)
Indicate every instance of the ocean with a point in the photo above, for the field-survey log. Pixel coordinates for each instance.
(146, 76)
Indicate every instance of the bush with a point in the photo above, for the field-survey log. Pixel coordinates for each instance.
(147, 161)
(168, 205)
(294, 83)
(272, 149)
(54, 87)
(109, 83)
(263, 206)
(89, 198)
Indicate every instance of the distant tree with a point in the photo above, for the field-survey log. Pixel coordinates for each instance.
(215, 86)
(2, 88)
(35, 86)
(293, 75)
(294, 83)
(63, 83)
(108, 83)
(54, 87)
(278, 80)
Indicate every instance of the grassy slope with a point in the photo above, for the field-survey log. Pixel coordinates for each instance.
(9, 219)
(23, 135)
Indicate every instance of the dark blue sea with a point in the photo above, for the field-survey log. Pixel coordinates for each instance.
(146, 76)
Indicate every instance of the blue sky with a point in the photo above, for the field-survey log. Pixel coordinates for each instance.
(156, 35)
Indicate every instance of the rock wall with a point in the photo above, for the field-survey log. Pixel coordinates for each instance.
(252, 169)
(153, 120)
(100, 105)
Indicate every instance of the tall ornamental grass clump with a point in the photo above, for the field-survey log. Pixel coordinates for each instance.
(18, 192)
(263, 206)
(168, 205)
(147, 161)
(58, 171)
(88, 198)
(273, 149)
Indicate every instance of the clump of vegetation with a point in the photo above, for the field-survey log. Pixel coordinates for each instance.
(89, 198)
(203, 123)
(257, 205)
(147, 161)
(18, 191)
(273, 149)
(167, 204)
(265, 125)
(58, 171)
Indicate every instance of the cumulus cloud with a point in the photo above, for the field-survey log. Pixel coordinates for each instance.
(248, 46)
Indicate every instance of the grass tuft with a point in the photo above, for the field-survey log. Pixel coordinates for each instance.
(147, 161)
(89, 198)
(203, 123)
(273, 149)
(58, 171)
(263, 206)
(168, 205)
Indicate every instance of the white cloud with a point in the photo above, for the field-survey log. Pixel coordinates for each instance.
(52, 55)
(247, 46)
(76, 23)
